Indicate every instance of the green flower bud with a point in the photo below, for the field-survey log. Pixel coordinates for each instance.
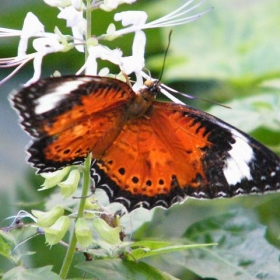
(91, 203)
(109, 234)
(69, 186)
(46, 219)
(83, 233)
(52, 179)
(92, 42)
(56, 232)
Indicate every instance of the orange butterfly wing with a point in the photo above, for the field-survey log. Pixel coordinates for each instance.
(72, 116)
(145, 152)
(177, 151)
(154, 158)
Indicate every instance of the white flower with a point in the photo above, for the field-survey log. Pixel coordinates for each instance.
(58, 3)
(78, 24)
(45, 44)
(177, 17)
(136, 62)
(134, 18)
(72, 11)
(110, 5)
(31, 27)
(103, 53)
(135, 21)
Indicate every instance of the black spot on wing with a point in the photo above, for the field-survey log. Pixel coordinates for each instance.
(133, 201)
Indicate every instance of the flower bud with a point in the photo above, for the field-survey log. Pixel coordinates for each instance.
(109, 234)
(83, 233)
(69, 186)
(52, 179)
(46, 219)
(56, 232)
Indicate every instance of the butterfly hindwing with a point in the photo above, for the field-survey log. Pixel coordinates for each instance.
(139, 168)
(176, 151)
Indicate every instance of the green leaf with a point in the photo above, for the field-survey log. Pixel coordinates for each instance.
(123, 270)
(241, 253)
(235, 41)
(250, 113)
(141, 253)
(10, 239)
(19, 273)
(5, 248)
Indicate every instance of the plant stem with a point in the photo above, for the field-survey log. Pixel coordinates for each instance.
(86, 178)
(88, 34)
(73, 240)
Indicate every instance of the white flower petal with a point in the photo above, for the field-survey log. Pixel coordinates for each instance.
(71, 15)
(79, 32)
(31, 27)
(78, 4)
(104, 72)
(136, 62)
(139, 82)
(136, 18)
(37, 64)
(75, 20)
(139, 44)
(103, 53)
(58, 3)
(47, 45)
(43, 46)
(110, 5)
(91, 63)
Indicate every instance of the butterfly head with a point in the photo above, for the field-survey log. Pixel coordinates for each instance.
(144, 99)
(153, 87)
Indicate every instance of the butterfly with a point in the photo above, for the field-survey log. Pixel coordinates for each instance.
(146, 153)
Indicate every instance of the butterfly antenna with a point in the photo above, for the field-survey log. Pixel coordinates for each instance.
(165, 55)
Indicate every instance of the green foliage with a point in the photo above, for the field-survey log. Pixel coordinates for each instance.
(235, 50)
(241, 253)
(32, 274)
(123, 270)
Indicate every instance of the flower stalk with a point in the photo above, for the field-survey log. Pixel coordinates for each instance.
(73, 239)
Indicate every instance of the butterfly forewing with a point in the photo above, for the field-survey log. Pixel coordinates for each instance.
(55, 104)
(71, 117)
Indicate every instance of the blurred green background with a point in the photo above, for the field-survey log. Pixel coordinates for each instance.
(230, 55)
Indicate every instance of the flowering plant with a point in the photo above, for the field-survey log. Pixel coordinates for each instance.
(86, 216)
(224, 55)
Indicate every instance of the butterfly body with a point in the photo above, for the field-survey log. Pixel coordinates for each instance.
(145, 152)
